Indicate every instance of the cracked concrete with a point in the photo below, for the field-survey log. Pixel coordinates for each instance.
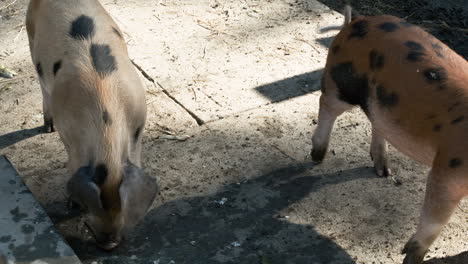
(241, 78)
(27, 234)
(147, 77)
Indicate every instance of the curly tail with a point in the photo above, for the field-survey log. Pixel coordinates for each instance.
(348, 13)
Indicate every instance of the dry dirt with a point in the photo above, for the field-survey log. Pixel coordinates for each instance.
(240, 78)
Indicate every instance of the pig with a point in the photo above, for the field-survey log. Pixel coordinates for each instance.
(414, 90)
(95, 100)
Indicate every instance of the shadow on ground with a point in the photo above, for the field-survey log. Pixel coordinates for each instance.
(17, 136)
(446, 20)
(461, 258)
(201, 230)
(291, 87)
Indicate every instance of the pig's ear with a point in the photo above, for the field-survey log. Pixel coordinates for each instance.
(137, 193)
(84, 191)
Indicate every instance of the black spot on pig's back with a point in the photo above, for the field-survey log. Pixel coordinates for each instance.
(103, 61)
(388, 27)
(353, 88)
(386, 98)
(82, 27)
(359, 29)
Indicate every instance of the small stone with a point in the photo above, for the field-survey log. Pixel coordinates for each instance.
(235, 244)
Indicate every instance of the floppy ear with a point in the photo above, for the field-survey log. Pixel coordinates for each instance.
(84, 191)
(137, 193)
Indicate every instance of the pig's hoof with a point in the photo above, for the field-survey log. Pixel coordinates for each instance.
(318, 154)
(49, 126)
(108, 246)
(72, 205)
(383, 171)
(414, 253)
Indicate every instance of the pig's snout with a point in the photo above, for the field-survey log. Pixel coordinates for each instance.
(108, 241)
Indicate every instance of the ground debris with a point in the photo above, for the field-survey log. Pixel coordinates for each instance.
(6, 73)
(222, 201)
(235, 244)
(395, 181)
(175, 137)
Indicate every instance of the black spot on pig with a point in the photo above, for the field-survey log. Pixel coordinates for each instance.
(457, 120)
(57, 67)
(415, 56)
(103, 61)
(353, 88)
(335, 49)
(439, 54)
(359, 29)
(436, 46)
(388, 26)
(434, 75)
(414, 46)
(137, 134)
(106, 117)
(438, 50)
(82, 27)
(376, 60)
(117, 32)
(39, 70)
(385, 98)
(455, 162)
(437, 127)
(100, 174)
(416, 51)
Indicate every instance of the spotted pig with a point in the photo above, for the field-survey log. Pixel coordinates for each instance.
(414, 90)
(95, 100)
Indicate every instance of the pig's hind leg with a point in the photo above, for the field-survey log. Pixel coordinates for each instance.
(446, 185)
(330, 108)
(378, 153)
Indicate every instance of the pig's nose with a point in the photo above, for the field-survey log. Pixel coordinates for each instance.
(108, 241)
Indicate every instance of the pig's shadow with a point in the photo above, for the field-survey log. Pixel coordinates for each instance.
(12, 138)
(201, 230)
(461, 258)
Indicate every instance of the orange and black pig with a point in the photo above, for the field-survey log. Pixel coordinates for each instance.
(414, 90)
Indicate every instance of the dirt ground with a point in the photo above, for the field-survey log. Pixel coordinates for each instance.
(241, 78)
(447, 20)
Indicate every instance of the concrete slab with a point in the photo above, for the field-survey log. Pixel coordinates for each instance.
(27, 235)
